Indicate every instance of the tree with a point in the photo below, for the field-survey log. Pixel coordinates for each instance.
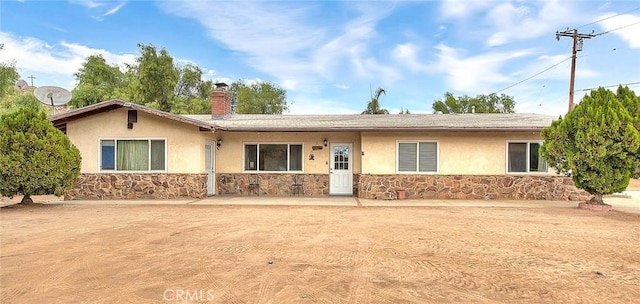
(373, 107)
(597, 143)
(35, 157)
(192, 94)
(96, 71)
(88, 94)
(153, 80)
(157, 75)
(404, 111)
(492, 103)
(97, 81)
(629, 100)
(20, 100)
(259, 98)
(8, 77)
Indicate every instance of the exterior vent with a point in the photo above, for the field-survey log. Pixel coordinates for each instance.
(132, 117)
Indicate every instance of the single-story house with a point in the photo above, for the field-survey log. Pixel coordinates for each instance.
(132, 151)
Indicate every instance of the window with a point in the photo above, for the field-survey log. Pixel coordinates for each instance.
(417, 157)
(132, 155)
(341, 158)
(273, 157)
(524, 157)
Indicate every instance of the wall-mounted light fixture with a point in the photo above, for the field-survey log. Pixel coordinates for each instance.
(312, 157)
(325, 142)
(219, 143)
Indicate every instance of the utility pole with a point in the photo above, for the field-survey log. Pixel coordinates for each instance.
(577, 46)
(32, 78)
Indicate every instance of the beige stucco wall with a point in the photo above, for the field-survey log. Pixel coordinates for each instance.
(459, 153)
(185, 143)
(230, 156)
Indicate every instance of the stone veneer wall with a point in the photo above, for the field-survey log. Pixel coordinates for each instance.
(272, 184)
(470, 187)
(138, 186)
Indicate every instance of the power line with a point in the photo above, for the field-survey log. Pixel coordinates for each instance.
(532, 76)
(618, 28)
(610, 86)
(603, 19)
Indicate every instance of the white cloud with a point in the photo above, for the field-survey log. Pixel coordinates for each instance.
(462, 8)
(88, 3)
(627, 27)
(476, 73)
(302, 104)
(55, 63)
(289, 84)
(100, 8)
(209, 74)
(289, 41)
(523, 20)
(441, 31)
(406, 55)
(114, 10)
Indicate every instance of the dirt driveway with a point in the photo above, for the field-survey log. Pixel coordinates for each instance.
(222, 254)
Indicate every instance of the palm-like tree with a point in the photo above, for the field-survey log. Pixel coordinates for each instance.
(374, 105)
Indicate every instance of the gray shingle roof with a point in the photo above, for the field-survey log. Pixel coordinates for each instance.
(406, 123)
(334, 123)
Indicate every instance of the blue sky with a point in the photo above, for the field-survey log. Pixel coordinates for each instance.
(329, 55)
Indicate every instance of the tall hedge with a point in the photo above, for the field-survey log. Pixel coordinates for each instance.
(35, 157)
(598, 143)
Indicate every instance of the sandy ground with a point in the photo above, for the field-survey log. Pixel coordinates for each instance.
(221, 254)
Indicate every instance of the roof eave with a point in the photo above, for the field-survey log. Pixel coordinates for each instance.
(437, 129)
(117, 104)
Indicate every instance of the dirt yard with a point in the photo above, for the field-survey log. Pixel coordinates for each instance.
(222, 254)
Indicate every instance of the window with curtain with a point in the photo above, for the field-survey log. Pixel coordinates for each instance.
(132, 155)
(273, 157)
(525, 157)
(418, 157)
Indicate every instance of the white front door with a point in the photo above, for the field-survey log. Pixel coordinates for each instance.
(209, 166)
(341, 170)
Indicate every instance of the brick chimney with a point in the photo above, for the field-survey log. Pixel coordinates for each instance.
(220, 100)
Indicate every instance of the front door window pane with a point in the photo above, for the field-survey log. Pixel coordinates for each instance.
(341, 158)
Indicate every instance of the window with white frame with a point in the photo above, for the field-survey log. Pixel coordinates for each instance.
(525, 157)
(133, 154)
(417, 156)
(273, 157)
